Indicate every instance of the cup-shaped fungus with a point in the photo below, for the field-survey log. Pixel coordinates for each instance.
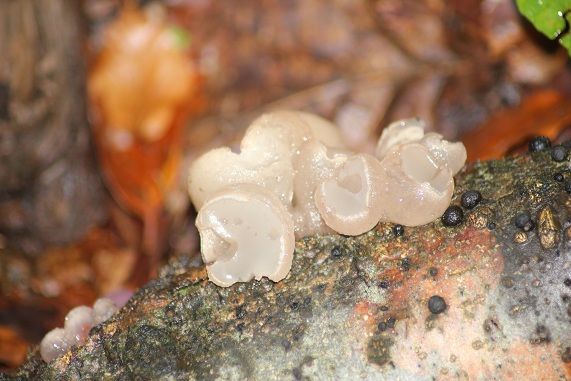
(315, 164)
(245, 232)
(266, 154)
(78, 322)
(415, 189)
(350, 202)
(54, 344)
(400, 132)
(445, 153)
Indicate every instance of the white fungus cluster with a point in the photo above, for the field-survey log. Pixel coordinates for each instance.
(78, 323)
(293, 177)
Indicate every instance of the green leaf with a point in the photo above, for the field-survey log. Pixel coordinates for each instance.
(550, 17)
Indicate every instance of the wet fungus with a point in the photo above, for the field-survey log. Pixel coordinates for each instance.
(292, 178)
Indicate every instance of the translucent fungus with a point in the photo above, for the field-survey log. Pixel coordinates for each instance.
(245, 232)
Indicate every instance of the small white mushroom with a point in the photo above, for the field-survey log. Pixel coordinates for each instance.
(445, 153)
(78, 323)
(103, 309)
(267, 151)
(315, 164)
(350, 202)
(400, 132)
(415, 190)
(54, 344)
(245, 233)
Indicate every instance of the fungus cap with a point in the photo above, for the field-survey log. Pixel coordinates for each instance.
(350, 201)
(245, 233)
(78, 323)
(54, 344)
(400, 132)
(415, 190)
(316, 163)
(265, 158)
(445, 153)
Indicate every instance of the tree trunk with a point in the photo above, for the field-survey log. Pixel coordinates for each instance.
(361, 307)
(49, 188)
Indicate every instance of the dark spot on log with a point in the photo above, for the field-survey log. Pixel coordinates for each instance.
(297, 375)
(436, 304)
(378, 350)
(240, 313)
(559, 153)
(541, 335)
(286, 344)
(384, 284)
(453, 216)
(384, 308)
(507, 282)
(398, 230)
(491, 225)
(240, 327)
(382, 326)
(558, 176)
(391, 322)
(470, 199)
(539, 143)
(405, 264)
(433, 271)
(566, 355)
(568, 186)
(567, 282)
(524, 222)
(336, 251)
(490, 325)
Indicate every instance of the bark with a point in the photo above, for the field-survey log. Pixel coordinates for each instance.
(46, 165)
(357, 307)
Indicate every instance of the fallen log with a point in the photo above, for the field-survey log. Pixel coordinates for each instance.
(487, 299)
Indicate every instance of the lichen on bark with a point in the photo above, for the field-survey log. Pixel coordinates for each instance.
(358, 306)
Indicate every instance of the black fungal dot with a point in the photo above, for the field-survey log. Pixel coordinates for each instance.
(382, 326)
(398, 230)
(391, 322)
(567, 282)
(336, 251)
(384, 285)
(566, 355)
(470, 199)
(405, 264)
(568, 186)
(240, 327)
(433, 271)
(558, 177)
(539, 144)
(521, 219)
(240, 313)
(286, 344)
(491, 225)
(294, 306)
(559, 153)
(453, 216)
(436, 304)
(297, 373)
(384, 308)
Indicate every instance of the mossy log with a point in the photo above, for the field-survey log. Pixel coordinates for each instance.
(357, 307)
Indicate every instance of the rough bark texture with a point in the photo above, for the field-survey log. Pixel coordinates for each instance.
(46, 165)
(356, 307)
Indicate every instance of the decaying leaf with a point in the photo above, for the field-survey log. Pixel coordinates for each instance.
(142, 87)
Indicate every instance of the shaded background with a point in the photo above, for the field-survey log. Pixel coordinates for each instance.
(474, 70)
